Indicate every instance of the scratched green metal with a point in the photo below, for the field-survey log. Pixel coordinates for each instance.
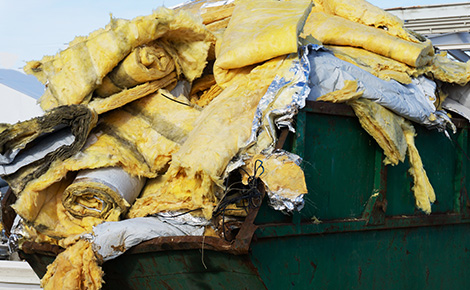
(339, 166)
(439, 157)
(184, 269)
(405, 258)
(172, 269)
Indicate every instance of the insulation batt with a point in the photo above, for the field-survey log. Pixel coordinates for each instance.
(73, 74)
(256, 28)
(363, 12)
(382, 67)
(143, 64)
(223, 127)
(128, 138)
(334, 30)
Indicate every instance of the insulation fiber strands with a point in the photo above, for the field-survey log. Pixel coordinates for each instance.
(222, 129)
(384, 126)
(334, 30)
(422, 189)
(74, 73)
(75, 268)
(396, 136)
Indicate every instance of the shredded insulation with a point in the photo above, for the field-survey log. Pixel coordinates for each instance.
(221, 130)
(422, 189)
(75, 268)
(129, 148)
(396, 137)
(74, 73)
(384, 126)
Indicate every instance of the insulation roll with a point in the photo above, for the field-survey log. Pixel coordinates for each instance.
(143, 64)
(334, 30)
(28, 148)
(102, 192)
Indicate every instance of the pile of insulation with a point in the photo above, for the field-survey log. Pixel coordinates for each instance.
(146, 119)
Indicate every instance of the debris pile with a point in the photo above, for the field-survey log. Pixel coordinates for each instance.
(147, 121)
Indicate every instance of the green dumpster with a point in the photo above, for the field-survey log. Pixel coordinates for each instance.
(359, 228)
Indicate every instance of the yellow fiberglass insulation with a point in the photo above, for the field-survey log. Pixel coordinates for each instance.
(145, 63)
(75, 268)
(363, 12)
(261, 30)
(380, 66)
(447, 70)
(422, 189)
(334, 30)
(346, 94)
(210, 10)
(166, 114)
(74, 73)
(396, 136)
(384, 126)
(220, 132)
(280, 174)
(127, 138)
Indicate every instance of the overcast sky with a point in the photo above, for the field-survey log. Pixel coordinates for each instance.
(30, 29)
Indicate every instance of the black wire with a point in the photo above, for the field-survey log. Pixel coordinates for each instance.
(174, 100)
(237, 193)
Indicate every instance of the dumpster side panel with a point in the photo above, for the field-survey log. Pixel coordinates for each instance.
(407, 258)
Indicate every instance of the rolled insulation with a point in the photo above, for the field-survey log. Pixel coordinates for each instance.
(145, 63)
(334, 30)
(102, 192)
(363, 12)
(28, 148)
(74, 73)
(128, 138)
(102, 105)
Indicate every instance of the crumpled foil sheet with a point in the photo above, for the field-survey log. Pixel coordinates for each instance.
(413, 101)
(18, 235)
(111, 239)
(292, 93)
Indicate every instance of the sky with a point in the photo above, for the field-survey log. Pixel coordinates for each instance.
(30, 29)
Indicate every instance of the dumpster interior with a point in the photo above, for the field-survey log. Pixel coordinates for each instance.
(178, 129)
